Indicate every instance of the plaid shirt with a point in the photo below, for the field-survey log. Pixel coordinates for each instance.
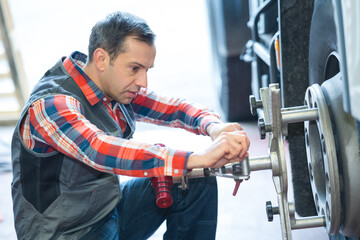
(56, 123)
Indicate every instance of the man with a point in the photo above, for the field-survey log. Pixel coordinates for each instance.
(73, 139)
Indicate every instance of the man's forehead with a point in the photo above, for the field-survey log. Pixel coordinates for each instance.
(134, 40)
(136, 56)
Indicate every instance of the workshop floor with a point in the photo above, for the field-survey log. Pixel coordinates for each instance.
(47, 30)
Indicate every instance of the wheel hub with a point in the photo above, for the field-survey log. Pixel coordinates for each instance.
(348, 158)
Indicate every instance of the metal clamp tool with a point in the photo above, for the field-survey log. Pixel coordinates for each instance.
(273, 123)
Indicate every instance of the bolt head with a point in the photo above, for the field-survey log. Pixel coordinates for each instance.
(253, 107)
(261, 128)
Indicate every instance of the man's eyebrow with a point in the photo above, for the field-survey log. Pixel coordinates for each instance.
(139, 64)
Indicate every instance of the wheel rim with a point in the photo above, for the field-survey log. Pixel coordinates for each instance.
(322, 160)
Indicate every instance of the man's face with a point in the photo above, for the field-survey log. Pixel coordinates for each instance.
(123, 78)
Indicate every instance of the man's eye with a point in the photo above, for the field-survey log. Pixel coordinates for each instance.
(135, 69)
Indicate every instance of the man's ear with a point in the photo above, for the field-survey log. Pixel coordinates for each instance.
(101, 59)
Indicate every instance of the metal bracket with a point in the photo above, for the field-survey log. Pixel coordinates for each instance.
(275, 123)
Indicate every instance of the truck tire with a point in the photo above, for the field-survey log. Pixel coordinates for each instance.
(235, 88)
(323, 63)
(229, 35)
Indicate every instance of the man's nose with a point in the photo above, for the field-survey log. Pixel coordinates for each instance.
(141, 81)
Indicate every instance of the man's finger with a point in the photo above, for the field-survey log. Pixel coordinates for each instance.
(237, 126)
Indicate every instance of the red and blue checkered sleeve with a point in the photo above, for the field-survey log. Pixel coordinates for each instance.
(58, 122)
(172, 112)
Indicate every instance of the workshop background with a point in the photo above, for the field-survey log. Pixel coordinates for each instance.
(45, 30)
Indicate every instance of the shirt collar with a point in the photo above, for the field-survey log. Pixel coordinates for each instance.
(73, 64)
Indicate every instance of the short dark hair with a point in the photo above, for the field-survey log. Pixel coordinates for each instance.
(111, 33)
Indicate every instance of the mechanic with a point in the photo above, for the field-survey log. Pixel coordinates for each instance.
(73, 139)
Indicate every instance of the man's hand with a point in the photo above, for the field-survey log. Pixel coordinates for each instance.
(215, 129)
(228, 147)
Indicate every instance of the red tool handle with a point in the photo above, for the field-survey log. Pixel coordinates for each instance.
(162, 186)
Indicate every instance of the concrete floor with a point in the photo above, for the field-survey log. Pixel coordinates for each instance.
(47, 30)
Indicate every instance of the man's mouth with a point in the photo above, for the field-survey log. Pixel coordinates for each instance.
(133, 93)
